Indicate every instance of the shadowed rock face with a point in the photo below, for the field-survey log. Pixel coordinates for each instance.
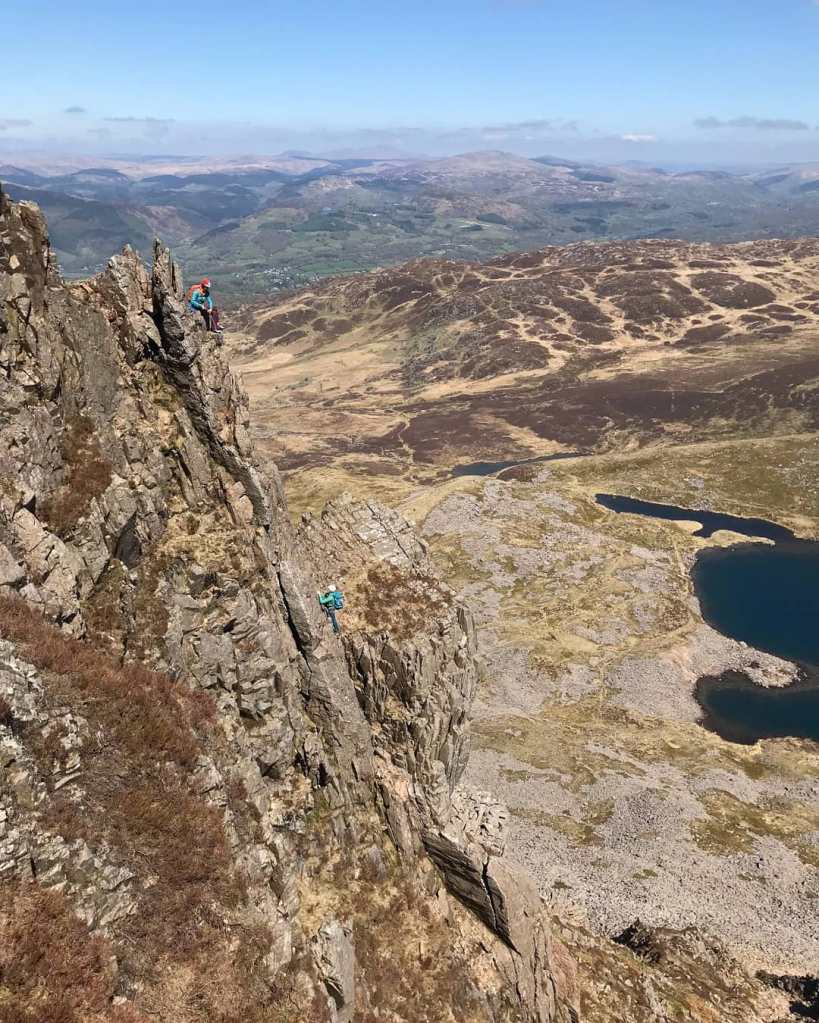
(211, 807)
(583, 347)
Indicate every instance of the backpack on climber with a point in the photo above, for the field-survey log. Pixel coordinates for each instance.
(332, 601)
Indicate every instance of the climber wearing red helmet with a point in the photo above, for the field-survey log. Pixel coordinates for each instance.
(200, 302)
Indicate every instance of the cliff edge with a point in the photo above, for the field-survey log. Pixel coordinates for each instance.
(212, 808)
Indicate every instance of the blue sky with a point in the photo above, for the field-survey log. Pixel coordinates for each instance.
(718, 81)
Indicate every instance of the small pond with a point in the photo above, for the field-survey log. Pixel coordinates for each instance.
(710, 521)
(765, 595)
(490, 468)
(739, 710)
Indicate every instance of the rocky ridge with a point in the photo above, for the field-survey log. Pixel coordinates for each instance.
(211, 807)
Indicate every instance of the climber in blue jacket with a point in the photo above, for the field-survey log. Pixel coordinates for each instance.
(200, 301)
(332, 601)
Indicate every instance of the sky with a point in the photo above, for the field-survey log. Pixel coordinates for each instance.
(700, 82)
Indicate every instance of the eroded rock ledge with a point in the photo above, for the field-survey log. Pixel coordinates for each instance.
(210, 807)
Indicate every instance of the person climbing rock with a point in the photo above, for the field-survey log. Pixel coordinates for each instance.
(332, 601)
(200, 301)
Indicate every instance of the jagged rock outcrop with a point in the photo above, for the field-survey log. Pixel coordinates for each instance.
(229, 810)
(413, 654)
(411, 650)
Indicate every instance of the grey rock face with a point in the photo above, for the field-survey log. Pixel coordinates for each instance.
(417, 688)
(101, 890)
(509, 904)
(133, 515)
(335, 956)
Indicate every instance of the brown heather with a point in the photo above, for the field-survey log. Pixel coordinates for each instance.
(146, 712)
(146, 734)
(88, 474)
(391, 601)
(52, 970)
(144, 741)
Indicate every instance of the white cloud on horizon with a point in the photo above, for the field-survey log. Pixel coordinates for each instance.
(555, 136)
(139, 120)
(753, 123)
(529, 129)
(154, 129)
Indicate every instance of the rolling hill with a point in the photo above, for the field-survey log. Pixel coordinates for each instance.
(408, 373)
(264, 224)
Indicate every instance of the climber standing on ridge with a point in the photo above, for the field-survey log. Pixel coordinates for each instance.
(332, 601)
(200, 301)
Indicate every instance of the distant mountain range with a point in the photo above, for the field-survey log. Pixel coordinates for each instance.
(262, 224)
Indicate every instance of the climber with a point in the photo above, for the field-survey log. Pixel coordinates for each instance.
(332, 601)
(200, 301)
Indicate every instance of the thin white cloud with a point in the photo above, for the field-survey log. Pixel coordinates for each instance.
(530, 130)
(638, 136)
(753, 123)
(14, 122)
(154, 129)
(139, 120)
